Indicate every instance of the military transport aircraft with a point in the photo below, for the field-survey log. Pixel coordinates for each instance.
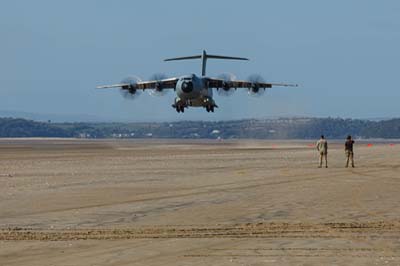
(193, 90)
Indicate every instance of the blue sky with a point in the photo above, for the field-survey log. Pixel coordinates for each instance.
(344, 54)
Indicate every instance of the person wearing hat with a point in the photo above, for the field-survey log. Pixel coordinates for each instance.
(348, 148)
(322, 147)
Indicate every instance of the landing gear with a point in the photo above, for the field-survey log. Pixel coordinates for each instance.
(180, 105)
(209, 104)
(210, 108)
(180, 108)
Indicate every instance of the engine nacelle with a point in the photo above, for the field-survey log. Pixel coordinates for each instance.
(255, 89)
(226, 86)
(158, 87)
(132, 90)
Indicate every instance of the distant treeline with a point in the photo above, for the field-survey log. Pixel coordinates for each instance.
(282, 128)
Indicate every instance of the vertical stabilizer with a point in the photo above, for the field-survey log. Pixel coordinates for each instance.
(203, 63)
(204, 56)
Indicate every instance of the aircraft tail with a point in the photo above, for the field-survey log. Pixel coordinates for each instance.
(204, 58)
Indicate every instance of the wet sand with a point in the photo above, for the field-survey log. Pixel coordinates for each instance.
(203, 202)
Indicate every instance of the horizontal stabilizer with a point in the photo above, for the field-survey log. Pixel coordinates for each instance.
(204, 58)
(183, 58)
(226, 57)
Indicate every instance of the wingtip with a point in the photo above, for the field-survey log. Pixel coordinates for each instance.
(102, 87)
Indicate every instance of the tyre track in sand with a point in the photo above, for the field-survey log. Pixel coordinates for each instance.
(186, 192)
(353, 230)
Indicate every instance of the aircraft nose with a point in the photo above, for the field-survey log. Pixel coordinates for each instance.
(187, 86)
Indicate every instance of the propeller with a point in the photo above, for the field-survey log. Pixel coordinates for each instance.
(227, 88)
(158, 90)
(130, 91)
(255, 89)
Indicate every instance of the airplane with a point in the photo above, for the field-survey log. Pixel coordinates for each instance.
(192, 90)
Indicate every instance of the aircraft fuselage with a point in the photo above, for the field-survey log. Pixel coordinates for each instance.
(192, 90)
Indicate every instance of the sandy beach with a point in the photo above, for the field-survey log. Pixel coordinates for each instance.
(197, 202)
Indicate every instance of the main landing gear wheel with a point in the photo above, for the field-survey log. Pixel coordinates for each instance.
(180, 109)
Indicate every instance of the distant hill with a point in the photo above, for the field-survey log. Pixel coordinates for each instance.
(59, 118)
(279, 128)
(17, 127)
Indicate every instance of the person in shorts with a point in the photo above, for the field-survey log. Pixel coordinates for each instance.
(322, 147)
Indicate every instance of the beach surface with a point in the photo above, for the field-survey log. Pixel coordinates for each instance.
(71, 202)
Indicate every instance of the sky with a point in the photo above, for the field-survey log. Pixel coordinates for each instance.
(344, 55)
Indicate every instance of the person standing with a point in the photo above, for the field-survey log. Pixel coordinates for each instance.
(322, 147)
(348, 148)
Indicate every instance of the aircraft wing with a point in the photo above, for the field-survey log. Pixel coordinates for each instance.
(169, 83)
(220, 83)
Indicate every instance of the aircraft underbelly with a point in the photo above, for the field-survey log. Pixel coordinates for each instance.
(198, 102)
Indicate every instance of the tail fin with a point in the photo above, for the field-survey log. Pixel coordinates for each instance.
(204, 58)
